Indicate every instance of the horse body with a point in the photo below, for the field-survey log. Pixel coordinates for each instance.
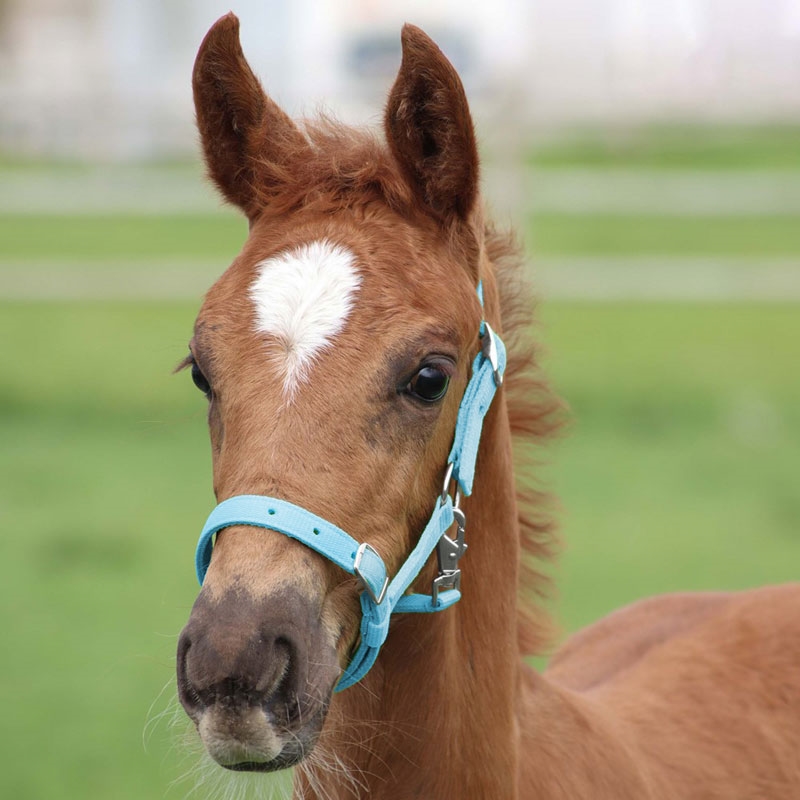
(701, 688)
(328, 406)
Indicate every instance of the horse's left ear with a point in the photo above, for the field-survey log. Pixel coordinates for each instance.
(429, 128)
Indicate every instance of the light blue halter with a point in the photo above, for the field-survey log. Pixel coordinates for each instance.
(383, 597)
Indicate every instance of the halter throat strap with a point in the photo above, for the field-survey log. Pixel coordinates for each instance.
(383, 596)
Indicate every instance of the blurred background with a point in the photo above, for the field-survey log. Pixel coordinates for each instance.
(648, 153)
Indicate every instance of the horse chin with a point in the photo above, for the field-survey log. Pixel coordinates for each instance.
(250, 740)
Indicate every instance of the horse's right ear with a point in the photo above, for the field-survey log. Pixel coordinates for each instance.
(247, 139)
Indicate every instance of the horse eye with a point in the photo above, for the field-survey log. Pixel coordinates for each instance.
(429, 384)
(200, 380)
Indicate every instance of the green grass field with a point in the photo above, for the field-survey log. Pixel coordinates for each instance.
(679, 469)
(742, 147)
(34, 238)
(679, 473)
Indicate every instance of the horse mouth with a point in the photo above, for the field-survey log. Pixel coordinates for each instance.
(293, 752)
(282, 761)
(255, 766)
(251, 740)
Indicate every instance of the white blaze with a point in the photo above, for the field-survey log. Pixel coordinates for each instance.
(302, 298)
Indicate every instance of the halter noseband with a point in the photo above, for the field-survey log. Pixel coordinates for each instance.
(383, 597)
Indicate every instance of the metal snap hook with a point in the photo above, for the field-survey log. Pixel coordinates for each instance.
(448, 553)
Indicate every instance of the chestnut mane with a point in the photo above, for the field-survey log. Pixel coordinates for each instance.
(535, 415)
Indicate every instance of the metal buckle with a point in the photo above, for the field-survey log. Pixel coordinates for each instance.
(489, 350)
(377, 599)
(448, 553)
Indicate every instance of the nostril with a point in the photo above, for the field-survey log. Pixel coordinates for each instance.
(187, 693)
(281, 673)
(281, 694)
(265, 669)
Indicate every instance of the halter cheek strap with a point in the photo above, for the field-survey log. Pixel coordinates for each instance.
(383, 596)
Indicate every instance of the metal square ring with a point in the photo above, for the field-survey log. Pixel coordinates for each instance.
(362, 548)
(489, 349)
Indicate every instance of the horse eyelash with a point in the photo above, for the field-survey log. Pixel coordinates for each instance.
(183, 364)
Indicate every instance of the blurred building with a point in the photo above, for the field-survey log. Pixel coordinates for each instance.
(110, 78)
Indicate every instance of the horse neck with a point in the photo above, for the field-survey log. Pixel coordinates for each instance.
(409, 728)
(449, 705)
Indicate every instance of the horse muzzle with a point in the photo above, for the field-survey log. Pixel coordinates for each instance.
(246, 680)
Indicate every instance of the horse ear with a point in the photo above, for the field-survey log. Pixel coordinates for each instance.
(429, 128)
(246, 137)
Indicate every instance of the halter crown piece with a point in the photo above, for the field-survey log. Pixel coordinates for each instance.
(383, 596)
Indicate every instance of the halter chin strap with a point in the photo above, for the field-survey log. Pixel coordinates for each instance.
(383, 597)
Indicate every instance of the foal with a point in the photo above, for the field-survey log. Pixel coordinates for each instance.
(335, 353)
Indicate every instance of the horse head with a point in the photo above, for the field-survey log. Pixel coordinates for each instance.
(334, 353)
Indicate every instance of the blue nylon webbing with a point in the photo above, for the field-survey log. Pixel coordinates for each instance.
(297, 523)
(477, 398)
(338, 546)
